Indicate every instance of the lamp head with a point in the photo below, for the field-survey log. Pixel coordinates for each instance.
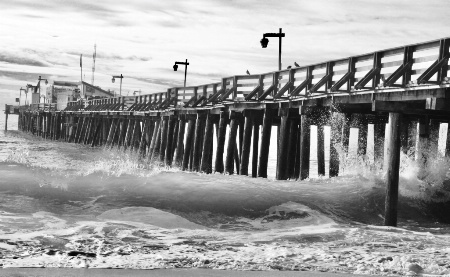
(175, 67)
(264, 42)
(113, 80)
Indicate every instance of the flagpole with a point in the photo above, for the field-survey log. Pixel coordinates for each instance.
(81, 76)
(81, 66)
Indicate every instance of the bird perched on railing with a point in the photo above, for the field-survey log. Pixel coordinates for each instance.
(296, 64)
(289, 67)
(248, 73)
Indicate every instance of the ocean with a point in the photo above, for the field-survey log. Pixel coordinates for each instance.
(71, 205)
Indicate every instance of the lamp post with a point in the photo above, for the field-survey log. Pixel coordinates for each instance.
(20, 95)
(175, 68)
(39, 85)
(265, 41)
(113, 80)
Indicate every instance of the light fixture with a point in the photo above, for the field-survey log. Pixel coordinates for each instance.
(114, 79)
(265, 41)
(175, 68)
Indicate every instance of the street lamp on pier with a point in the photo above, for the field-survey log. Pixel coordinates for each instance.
(113, 80)
(175, 68)
(264, 41)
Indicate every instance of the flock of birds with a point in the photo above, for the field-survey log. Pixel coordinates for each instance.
(289, 67)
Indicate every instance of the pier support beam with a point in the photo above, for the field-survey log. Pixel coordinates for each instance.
(207, 145)
(304, 146)
(292, 148)
(247, 139)
(335, 139)
(163, 144)
(434, 137)
(153, 150)
(346, 132)
(283, 135)
(447, 142)
(6, 120)
(320, 150)
(189, 141)
(392, 167)
(229, 159)
(221, 142)
(180, 143)
(169, 138)
(255, 145)
(379, 130)
(422, 146)
(265, 143)
(363, 129)
(198, 141)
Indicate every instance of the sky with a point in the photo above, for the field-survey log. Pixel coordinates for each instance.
(142, 39)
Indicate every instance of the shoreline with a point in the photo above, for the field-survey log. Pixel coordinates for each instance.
(195, 272)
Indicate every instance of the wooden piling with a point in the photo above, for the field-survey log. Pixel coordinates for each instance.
(246, 144)
(112, 131)
(265, 143)
(169, 153)
(189, 141)
(335, 139)
(404, 134)
(128, 133)
(283, 136)
(255, 144)
(152, 147)
(207, 145)
(219, 166)
(198, 141)
(363, 128)
(447, 142)
(229, 160)
(346, 132)
(393, 167)
(320, 150)
(6, 120)
(304, 146)
(378, 148)
(412, 138)
(143, 141)
(434, 137)
(180, 143)
(236, 157)
(163, 144)
(175, 136)
(422, 146)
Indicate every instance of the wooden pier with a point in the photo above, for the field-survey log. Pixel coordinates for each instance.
(401, 86)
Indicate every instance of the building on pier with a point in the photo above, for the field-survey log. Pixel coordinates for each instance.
(62, 92)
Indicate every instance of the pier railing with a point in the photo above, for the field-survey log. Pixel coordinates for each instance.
(410, 66)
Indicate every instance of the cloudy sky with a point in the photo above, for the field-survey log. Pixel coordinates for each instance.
(142, 39)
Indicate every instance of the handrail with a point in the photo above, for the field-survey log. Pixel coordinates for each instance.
(324, 77)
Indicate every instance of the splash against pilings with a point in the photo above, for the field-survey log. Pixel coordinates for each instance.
(186, 141)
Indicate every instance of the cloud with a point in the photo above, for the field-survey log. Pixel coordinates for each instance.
(21, 60)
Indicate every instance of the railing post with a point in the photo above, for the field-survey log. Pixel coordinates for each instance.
(443, 52)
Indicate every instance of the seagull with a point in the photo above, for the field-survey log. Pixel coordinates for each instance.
(289, 67)
(248, 72)
(296, 64)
